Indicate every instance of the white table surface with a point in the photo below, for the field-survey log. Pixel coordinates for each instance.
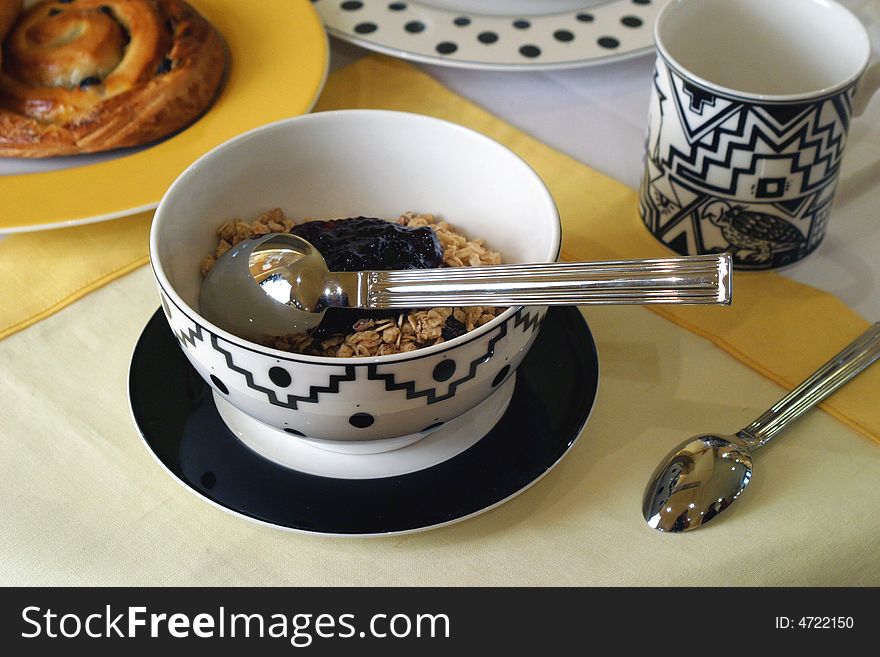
(598, 115)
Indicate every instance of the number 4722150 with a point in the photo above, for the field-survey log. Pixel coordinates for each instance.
(815, 622)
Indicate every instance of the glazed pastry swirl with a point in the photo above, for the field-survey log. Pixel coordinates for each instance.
(89, 75)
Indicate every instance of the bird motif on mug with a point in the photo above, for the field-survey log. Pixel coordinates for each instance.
(757, 232)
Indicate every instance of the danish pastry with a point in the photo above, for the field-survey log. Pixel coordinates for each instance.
(80, 76)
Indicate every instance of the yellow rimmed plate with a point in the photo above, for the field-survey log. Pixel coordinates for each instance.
(278, 64)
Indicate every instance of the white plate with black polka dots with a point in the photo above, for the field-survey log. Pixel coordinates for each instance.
(497, 34)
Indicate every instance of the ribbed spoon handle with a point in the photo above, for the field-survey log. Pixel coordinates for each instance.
(686, 280)
(852, 360)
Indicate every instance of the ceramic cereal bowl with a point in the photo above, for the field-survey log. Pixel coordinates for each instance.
(345, 164)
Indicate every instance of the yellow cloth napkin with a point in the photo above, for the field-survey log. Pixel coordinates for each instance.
(44, 272)
(781, 328)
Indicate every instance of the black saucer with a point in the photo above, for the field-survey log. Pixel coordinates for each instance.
(175, 413)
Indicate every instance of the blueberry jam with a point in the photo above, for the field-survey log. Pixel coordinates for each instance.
(453, 328)
(361, 244)
(372, 244)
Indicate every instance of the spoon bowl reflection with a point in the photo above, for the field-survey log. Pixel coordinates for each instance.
(698, 480)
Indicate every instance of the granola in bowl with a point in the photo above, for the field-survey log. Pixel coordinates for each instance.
(371, 333)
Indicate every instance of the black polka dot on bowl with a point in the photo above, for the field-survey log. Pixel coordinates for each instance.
(631, 21)
(294, 432)
(414, 27)
(444, 370)
(641, 2)
(351, 5)
(584, 17)
(280, 376)
(431, 427)
(487, 37)
(397, 6)
(563, 35)
(530, 51)
(219, 385)
(608, 42)
(462, 21)
(209, 480)
(361, 420)
(502, 374)
(365, 28)
(522, 24)
(446, 47)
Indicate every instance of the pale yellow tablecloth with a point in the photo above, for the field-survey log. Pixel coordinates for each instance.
(86, 504)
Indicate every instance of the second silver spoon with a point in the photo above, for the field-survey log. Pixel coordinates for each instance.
(705, 474)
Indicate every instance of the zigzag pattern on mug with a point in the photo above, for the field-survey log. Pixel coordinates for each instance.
(700, 174)
(799, 128)
(695, 166)
(292, 401)
(430, 394)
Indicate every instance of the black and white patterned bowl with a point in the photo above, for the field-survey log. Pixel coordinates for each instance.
(341, 164)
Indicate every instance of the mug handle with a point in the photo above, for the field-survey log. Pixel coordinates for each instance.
(868, 86)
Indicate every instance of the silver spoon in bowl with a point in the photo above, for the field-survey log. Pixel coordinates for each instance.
(705, 474)
(279, 284)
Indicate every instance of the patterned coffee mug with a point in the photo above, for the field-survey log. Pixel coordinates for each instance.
(748, 121)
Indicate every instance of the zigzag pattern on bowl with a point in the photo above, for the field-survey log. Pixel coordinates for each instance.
(373, 399)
